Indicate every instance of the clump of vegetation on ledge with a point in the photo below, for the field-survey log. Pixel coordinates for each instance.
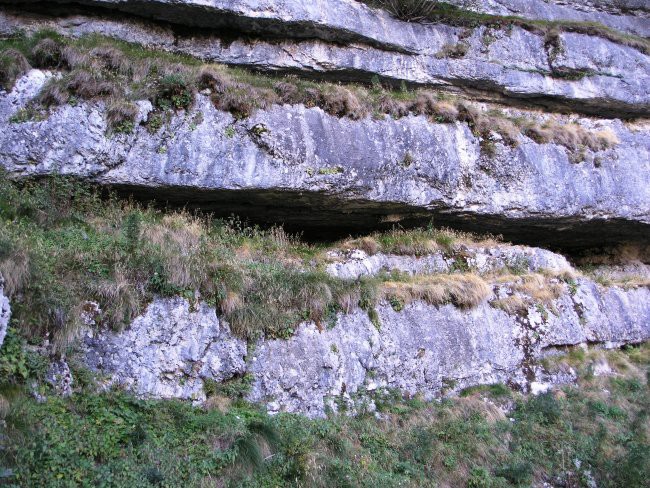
(594, 432)
(118, 73)
(63, 247)
(441, 12)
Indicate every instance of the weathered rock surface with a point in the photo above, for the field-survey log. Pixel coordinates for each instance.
(168, 350)
(579, 72)
(631, 16)
(336, 176)
(175, 346)
(357, 263)
(59, 376)
(5, 312)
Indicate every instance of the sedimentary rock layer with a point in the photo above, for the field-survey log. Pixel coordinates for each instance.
(335, 176)
(175, 346)
(345, 40)
(631, 16)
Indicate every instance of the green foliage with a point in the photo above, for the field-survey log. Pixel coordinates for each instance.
(334, 170)
(64, 244)
(174, 91)
(112, 439)
(13, 358)
(396, 303)
(235, 388)
(495, 390)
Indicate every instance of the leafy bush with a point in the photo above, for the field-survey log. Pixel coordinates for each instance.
(174, 91)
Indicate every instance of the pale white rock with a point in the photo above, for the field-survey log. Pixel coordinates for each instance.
(537, 388)
(276, 178)
(5, 312)
(173, 347)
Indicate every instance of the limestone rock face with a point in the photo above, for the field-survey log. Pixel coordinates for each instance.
(346, 40)
(311, 170)
(173, 348)
(625, 15)
(5, 312)
(167, 351)
(357, 263)
(329, 177)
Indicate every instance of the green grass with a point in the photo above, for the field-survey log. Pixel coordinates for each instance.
(112, 439)
(65, 246)
(62, 245)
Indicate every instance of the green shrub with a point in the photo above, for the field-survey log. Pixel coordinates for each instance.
(519, 473)
(174, 91)
(545, 408)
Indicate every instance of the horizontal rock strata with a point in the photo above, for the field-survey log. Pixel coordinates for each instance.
(571, 71)
(333, 176)
(176, 346)
(626, 15)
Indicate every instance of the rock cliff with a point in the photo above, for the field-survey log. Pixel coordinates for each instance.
(346, 40)
(334, 176)
(522, 119)
(176, 346)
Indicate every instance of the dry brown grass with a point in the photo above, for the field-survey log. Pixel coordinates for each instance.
(15, 270)
(453, 51)
(528, 291)
(424, 103)
(394, 108)
(506, 129)
(124, 297)
(179, 238)
(72, 58)
(110, 58)
(606, 138)
(5, 407)
(445, 112)
(369, 245)
(218, 402)
(47, 53)
(466, 406)
(512, 305)
(13, 64)
(212, 79)
(539, 288)
(242, 101)
(53, 94)
(89, 86)
(121, 113)
(341, 102)
(461, 290)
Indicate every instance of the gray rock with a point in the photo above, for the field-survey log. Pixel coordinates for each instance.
(168, 351)
(5, 312)
(625, 15)
(335, 176)
(60, 377)
(423, 349)
(356, 263)
(515, 65)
